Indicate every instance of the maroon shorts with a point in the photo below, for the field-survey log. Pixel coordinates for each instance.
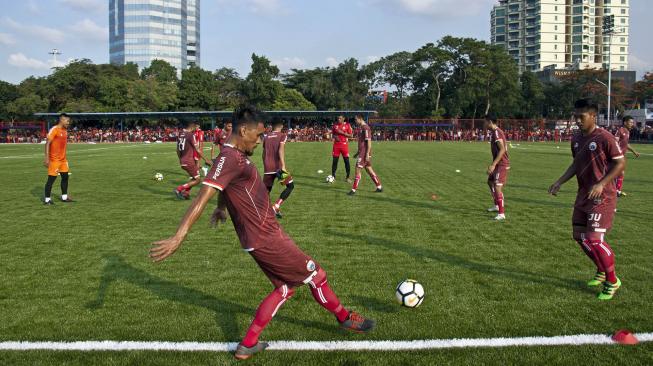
(595, 220)
(340, 149)
(499, 176)
(192, 168)
(285, 264)
(363, 163)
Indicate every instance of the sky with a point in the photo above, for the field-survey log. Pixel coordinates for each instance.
(291, 33)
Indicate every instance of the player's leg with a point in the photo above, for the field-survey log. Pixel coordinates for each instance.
(357, 180)
(264, 314)
(620, 184)
(183, 191)
(335, 154)
(64, 172)
(490, 183)
(282, 198)
(375, 178)
(498, 194)
(48, 189)
(324, 295)
(268, 181)
(598, 224)
(578, 221)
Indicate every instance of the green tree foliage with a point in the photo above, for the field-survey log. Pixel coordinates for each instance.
(261, 87)
(161, 71)
(8, 93)
(292, 100)
(532, 96)
(643, 90)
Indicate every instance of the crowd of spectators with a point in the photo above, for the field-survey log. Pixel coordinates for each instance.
(310, 132)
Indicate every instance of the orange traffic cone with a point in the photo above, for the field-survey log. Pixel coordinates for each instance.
(624, 336)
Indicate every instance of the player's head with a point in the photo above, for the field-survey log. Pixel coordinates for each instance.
(228, 126)
(360, 120)
(190, 125)
(341, 119)
(64, 120)
(277, 124)
(629, 122)
(490, 121)
(248, 128)
(585, 113)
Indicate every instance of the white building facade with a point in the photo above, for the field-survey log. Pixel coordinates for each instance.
(145, 30)
(565, 33)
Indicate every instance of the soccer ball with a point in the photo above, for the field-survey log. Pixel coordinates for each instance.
(410, 293)
(158, 176)
(330, 179)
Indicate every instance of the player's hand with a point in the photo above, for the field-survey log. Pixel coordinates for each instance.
(491, 169)
(636, 154)
(163, 249)
(596, 191)
(46, 163)
(554, 189)
(219, 214)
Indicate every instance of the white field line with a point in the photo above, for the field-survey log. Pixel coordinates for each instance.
(69, 152)
(87, 346)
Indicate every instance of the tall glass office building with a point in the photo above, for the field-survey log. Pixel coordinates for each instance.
(146, 30)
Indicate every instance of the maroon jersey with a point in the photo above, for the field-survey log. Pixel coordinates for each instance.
(222, 137)
(623, 138)
(499, 135)
(247, 199)
(364, 135)
(593, 156)
(186, 145)
(338, 130)
(271, 144)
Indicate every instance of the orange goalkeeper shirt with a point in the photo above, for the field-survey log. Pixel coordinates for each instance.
(58, 138)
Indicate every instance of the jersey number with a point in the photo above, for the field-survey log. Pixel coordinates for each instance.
(181, 144)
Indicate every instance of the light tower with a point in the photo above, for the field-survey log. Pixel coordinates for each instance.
(608, 30)
(55, 52)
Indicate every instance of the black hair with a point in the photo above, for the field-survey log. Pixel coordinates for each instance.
(64, 115)
(586, 104)
(246, 115)
(491, 117)
(276, 121)
(188, 124)
(359, 116)
(627, 118)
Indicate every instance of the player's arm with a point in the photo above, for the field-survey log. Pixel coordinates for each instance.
(569, 173)
(368, 142)
(46, 159)
(495, 162)
(630, 148)
(282, 156)
(163, 249)
(197, 146)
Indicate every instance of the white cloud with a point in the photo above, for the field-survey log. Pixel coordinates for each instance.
(331, 62)
(288, 63)
(370, 59)
(434, 8)
(21, 61)
(52, 35)
(7, 39)
(639, 65)
(265, 7)
(85, 5)
(88, 29)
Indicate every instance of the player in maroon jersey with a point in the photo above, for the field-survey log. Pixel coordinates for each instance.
(341, 132)
(243, 194)
(221, 137)
(364, 155)
(274, 164)
(498, 170)
(623, 138)
(598, 160)
(187, 149)
(199, 137)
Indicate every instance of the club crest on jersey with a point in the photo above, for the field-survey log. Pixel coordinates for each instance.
(576, 145)
(592, 146)
(310, 266)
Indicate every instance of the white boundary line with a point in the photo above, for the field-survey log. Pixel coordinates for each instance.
(88, 346)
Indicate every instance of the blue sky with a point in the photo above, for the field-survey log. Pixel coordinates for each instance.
(292, 33)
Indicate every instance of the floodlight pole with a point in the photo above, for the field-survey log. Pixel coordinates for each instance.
(610, 79)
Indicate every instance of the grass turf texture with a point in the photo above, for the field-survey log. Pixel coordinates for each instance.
(80, 271)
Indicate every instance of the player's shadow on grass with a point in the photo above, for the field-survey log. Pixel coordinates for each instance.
(116, 269)
(534, 202)
(158, 190)
(457, 261)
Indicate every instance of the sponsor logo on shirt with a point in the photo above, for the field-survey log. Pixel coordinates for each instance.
(218, 168)
(592, 146)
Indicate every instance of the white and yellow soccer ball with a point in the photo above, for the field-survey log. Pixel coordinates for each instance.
(410, 293)
(330, 179)
(158, 177)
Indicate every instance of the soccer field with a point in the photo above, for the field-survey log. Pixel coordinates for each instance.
(80, 272)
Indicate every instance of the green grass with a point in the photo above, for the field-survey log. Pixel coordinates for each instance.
(81, 272)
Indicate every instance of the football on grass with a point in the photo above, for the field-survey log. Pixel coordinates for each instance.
(410, 293)
(158, 176)
(330, 179)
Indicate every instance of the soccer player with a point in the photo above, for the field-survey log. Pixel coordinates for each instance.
(498, 170)
(623, 138)
(199, 137)
(274, 164)
(342, 132)
(364, 156)
(187, 149)
(55, 159)
(221, 138)
(243, 194)
(598, 160)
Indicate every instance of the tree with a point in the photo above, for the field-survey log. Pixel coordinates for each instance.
(228, 88)
(260, 87)
(24, 107)
(160, 71)
(532, 95)
(643, 89)
(292, 100)
(197, 89)
(396, 70)
(8, 93)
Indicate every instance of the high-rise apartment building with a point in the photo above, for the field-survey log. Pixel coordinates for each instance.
(563, 33)
(146, 30)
